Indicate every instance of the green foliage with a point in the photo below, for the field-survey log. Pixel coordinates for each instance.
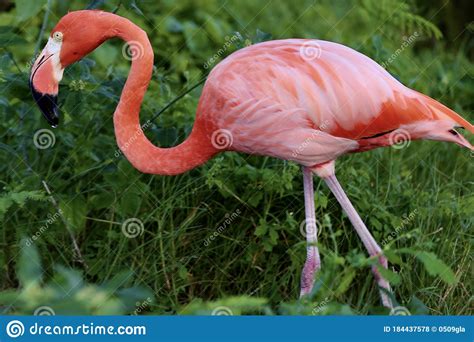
(26, 9)
(400, 17)
(253, 264)
(231, 306)
(17, 197)
(65, 293)
(434, 266)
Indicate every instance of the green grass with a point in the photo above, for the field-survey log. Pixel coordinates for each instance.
(254, 264)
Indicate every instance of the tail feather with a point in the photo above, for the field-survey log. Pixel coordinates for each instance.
(443, 112)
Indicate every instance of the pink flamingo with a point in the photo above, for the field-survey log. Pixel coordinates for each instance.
(309, 101)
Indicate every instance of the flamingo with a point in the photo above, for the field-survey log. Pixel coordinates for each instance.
(307, 101)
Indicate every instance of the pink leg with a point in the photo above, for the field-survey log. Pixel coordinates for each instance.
(367, 238)
(313, 262)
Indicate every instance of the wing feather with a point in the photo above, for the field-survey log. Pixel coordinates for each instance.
(273, 99)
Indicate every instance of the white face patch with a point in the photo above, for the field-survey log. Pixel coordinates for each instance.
(54, 47)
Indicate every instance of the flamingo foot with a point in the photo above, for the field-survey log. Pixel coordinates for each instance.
(311, 266)
(313, 261)
(383, 284)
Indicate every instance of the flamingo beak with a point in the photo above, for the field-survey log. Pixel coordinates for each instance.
(46, 73)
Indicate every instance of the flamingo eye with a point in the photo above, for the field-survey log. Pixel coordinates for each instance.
(58, 36)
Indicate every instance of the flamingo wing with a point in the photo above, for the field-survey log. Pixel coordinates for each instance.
(312, 100)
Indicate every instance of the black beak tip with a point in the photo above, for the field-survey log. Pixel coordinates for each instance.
(54, 121)
(48, 104)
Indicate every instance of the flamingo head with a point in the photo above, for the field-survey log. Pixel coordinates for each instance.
(76, 35)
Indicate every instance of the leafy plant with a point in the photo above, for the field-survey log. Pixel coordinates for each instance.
(66, 293)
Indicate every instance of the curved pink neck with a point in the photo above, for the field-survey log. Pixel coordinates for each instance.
(141, 153)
